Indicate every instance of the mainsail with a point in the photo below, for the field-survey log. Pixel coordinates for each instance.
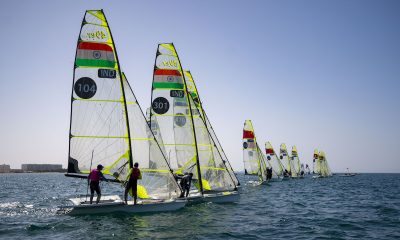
(295, 161)
(253, 158)
(283, 155)
(316, 162)
(185, 136)
(191, 86)
(273, 159)
(325, 170)
(107, 124)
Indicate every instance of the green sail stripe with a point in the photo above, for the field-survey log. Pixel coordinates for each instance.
(168, 85)
(94, 63)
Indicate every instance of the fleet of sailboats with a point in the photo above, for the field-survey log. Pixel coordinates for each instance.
(173, 140)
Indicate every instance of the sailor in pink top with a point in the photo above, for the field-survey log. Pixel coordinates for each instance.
(94, 177)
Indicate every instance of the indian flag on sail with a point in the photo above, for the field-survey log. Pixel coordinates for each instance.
(95, 55)
(167, 78)
(269, 151)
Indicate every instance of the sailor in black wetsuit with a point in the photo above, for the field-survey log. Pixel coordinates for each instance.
(185, 183)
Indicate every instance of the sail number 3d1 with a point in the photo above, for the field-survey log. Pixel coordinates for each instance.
(85, 88)
(160, 105)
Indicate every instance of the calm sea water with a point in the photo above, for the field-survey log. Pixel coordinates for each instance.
(363, 207)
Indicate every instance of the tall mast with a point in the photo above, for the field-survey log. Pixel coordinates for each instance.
(194, 129)
(72, 93)
(123, 95)
(205, 123)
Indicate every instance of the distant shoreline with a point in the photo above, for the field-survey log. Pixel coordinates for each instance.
(18, 171)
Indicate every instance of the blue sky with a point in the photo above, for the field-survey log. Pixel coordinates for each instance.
(315, 74)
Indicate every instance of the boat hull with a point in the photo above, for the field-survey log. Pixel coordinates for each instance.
(225, 197)
(113, 204)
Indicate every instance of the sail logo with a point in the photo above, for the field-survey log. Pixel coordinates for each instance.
(167, 78)
(106, 73)
(180, 120)
(170, 63)
(177, 93)
(96, 35)
(95, 55)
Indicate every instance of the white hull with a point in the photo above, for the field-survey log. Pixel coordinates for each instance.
(223, 197)
(226, 197)
(114, 204)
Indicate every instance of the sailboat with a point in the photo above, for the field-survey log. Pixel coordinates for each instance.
(253, 158)
(285, 159)
(348, 173)
(186, 138)
(274, 162)
(321, 167)
(191, 86)
(108, 127)
(298, 169)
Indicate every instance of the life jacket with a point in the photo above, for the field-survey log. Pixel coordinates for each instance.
(136, 174)
(94, 175)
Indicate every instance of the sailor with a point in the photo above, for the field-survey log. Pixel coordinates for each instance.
(132, 183)
(185, 183)
(286, 173)
(269, 173)
(94, 178)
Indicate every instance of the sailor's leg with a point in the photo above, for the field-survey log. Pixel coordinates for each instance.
(134, 192)
(126, 196)
(128, 186)
(91, 193)
(98, 191)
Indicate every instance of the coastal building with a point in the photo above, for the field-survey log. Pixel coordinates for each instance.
(41, 167)
(4, 168)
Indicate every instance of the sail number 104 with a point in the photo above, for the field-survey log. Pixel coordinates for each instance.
(85, 88)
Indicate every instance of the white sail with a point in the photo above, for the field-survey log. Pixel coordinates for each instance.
(253, 158)
(107, 125)
(184, 133)
(273, 160)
